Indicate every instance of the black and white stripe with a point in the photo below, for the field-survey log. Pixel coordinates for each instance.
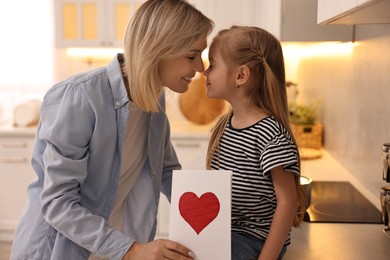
(251, 153)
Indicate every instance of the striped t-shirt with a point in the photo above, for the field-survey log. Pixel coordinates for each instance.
(251, 153)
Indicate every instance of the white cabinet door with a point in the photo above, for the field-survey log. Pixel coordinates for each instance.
(288, 20)
(93, 23)
(15, 175)
(353, 12)
(331, 8)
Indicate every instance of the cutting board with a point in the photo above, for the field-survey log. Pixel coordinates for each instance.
(196, 106)
(309, 153)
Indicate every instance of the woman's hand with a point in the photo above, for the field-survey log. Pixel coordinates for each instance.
(158, 249)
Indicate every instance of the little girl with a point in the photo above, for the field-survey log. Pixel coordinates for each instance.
(254, 140)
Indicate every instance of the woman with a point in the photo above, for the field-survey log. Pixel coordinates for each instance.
(103, 152)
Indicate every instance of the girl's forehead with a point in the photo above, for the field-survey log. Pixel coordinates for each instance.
(214, 51)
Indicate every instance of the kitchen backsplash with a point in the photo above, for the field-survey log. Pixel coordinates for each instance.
(356, 102)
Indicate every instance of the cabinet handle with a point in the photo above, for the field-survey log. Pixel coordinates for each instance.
(13, 159)
(14, 145)
(188, 145)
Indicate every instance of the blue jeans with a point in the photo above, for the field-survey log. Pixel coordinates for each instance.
(245, 247)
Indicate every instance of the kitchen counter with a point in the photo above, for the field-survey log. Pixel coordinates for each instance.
(7, 130)
(338, 241)
(185, 129)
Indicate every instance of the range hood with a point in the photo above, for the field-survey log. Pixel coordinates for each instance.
(371, 12)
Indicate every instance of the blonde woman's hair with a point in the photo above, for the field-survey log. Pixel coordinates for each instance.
(262, 53)
(160, 29)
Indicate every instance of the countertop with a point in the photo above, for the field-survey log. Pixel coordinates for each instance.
(185, 129)
(7, 130)
(338, 241)
(327, 168)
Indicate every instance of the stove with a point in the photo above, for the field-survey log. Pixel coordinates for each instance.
(340, 202)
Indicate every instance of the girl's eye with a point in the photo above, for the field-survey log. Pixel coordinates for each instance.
(191, 57)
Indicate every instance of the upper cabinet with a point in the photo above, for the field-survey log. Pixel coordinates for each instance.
(353, 11)
(289, 20)
(92, 23)
(299, 23)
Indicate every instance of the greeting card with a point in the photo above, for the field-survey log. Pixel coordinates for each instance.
(200, 216)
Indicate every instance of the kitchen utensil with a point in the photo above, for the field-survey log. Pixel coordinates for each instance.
(386, 161)
(306, 184)
(309, 153)
(385, 204)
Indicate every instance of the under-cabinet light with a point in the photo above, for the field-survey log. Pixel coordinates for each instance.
(93, 52)
(301, 50)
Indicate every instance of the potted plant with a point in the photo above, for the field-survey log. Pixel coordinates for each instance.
(306, 129)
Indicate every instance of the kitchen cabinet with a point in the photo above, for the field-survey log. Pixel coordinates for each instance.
(353, 12)
(92, 23)
(299, 23)
(15, 175)
(191, 152)
(289, 20)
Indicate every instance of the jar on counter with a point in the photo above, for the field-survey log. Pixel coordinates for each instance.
(385, 204)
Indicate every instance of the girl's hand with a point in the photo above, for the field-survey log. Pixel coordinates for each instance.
(158, 249)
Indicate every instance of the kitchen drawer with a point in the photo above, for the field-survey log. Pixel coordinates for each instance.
(16, 144)
(15, 151)
(15, 175)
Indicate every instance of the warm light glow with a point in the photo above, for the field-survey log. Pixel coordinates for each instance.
(93, 52)
(205, 58)
(318, 49)
(295, 52)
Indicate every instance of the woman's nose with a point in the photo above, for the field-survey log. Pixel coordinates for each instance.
(199, 65)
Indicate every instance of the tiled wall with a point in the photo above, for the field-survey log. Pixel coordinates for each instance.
(356, 102)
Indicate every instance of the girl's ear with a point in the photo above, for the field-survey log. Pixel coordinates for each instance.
(242, 75)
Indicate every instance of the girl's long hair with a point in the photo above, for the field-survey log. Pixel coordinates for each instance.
(160, 29)
(262, 53)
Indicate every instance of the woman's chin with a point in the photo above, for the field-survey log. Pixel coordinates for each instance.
(179, 89)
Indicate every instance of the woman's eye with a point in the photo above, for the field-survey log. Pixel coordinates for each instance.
(191, 57)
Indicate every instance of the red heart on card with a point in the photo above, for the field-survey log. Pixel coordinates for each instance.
(198, 212)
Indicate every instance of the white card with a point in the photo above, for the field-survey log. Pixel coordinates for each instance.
(200, 216)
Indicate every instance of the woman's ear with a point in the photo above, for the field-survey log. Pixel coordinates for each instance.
(242, 75)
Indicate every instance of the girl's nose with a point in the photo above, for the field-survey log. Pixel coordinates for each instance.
(206, 72)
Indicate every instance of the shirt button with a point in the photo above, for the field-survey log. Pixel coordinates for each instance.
(154, 173)
(117, 103)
